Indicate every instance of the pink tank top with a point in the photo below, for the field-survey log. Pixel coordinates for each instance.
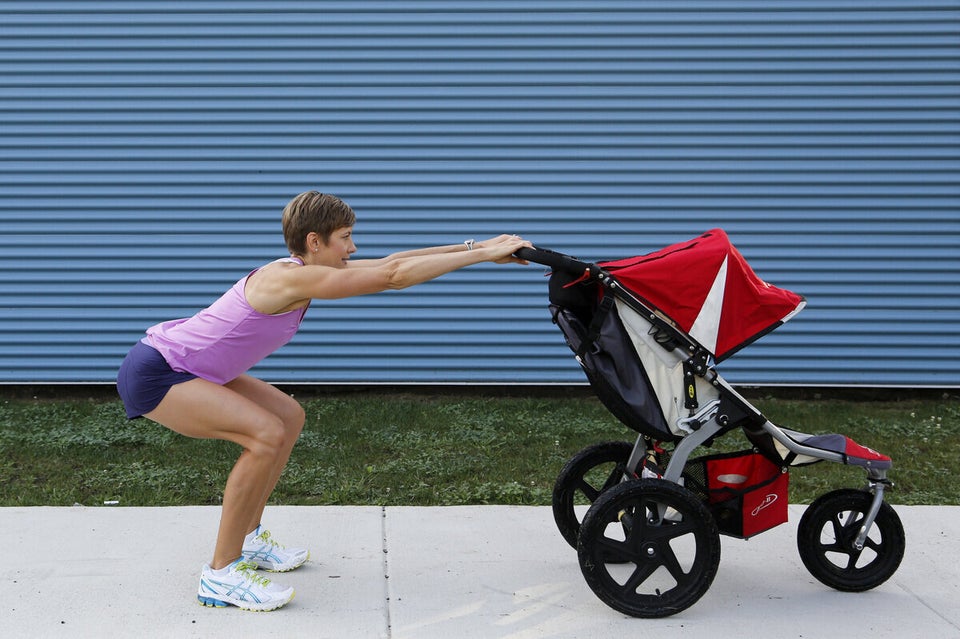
(226, 339)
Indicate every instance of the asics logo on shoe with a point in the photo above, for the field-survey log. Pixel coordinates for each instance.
(266, 553)
(237, 591)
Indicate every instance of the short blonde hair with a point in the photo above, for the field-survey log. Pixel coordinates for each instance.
(314, 212)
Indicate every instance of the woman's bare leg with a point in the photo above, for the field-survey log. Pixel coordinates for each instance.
(291, 414)
(205, 410)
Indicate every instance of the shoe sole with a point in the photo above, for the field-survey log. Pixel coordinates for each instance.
(212, 602)
(265, 568)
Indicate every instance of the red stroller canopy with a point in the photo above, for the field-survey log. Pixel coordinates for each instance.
(709, 291)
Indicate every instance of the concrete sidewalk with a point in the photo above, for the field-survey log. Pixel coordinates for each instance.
(448, 573)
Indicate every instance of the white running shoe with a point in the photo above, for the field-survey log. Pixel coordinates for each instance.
(241, 587)
(264, 552)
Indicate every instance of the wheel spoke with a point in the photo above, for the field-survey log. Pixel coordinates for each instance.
(665, 529)
(615, 477)
(643, 572)
(849, 531)
(842, 533)
(834, 547)
(589, 491)
(613, 550)
(873, 545)
(854, 556)
(634, 528)
(672, 564)
(837, 524)
(668, 530)
(644, 532)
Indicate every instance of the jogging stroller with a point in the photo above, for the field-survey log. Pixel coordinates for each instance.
(648, 332)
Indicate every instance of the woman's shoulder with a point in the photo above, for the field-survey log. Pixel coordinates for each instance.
(277, 264)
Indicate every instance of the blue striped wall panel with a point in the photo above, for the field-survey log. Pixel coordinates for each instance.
(147, 148)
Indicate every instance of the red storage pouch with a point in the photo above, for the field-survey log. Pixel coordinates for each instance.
(746, 492)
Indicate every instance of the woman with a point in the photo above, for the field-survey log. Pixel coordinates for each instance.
(190, 375)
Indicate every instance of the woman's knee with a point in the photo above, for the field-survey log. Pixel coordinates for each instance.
(274, 401)
(278, 434)
(296, 419)
(293, 419)
(269, 437)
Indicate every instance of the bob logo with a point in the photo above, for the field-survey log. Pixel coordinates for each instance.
(767, 501)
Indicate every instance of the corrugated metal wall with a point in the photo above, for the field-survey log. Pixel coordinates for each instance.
(147, 148)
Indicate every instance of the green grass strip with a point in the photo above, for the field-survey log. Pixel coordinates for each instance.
(410, 449)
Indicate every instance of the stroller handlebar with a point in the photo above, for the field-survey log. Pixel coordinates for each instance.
(557, 261)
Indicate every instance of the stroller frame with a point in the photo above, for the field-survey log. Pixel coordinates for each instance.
(709, 422)
(641, 479)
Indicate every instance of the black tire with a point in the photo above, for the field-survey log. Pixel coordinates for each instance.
(826, 535)
(588, 473)
(644, 564)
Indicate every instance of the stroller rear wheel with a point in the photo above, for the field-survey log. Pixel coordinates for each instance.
(649, 548)
(589, 473)
(826, 535)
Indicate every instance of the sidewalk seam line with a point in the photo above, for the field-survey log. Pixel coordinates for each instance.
(386, 572)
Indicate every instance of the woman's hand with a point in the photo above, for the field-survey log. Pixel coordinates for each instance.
(503, 248)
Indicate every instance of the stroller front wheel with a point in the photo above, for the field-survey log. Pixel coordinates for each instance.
(826, 535)
(649, 548)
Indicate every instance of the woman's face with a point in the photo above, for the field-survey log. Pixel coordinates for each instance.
(338, 250)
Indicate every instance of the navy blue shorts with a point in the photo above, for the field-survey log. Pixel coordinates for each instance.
(144, 379)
